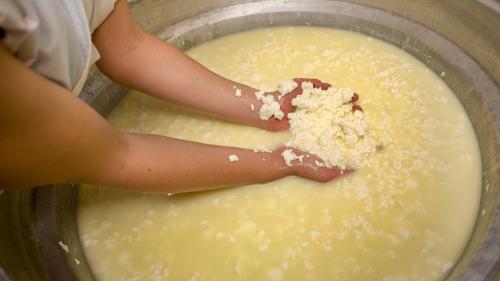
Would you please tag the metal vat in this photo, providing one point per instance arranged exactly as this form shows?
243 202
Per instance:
459 38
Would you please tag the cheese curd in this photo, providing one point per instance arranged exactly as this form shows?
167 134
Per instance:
270 107
237 93
233 158
289 156
286 87
324 124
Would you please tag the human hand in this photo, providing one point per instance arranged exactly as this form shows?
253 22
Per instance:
307 167
286 106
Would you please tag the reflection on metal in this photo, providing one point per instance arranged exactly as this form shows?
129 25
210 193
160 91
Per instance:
494 5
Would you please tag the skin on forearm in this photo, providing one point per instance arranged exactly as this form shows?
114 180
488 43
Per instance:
161 164
48 135
146 63
173 76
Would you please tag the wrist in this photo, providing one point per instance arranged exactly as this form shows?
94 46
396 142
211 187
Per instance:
271 166
279 164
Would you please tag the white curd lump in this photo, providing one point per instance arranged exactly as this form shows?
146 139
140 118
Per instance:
289 156
233 158
270 106
286 87
325 124
405 214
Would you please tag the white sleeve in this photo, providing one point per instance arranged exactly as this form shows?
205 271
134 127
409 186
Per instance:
53 36
97 11
50 36
100 11
19 21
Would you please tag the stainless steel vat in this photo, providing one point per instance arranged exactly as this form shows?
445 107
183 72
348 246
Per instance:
459 38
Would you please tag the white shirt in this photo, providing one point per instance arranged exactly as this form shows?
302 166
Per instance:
53 36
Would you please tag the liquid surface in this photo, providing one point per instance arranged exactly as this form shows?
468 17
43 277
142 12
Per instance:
405 215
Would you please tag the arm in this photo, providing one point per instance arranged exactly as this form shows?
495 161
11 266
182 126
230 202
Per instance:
158 163
48 135
134 58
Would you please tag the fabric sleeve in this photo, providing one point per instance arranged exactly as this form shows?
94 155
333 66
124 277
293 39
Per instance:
101 10
19 23
52 37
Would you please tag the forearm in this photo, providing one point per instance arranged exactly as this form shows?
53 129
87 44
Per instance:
161 70
162 164
134 58
48 135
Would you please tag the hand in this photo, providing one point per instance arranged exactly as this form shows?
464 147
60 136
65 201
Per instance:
274 124
308 168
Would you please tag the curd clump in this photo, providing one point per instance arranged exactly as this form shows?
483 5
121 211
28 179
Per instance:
325 124
270 106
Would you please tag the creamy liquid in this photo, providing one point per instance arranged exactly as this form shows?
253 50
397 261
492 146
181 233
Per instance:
405 215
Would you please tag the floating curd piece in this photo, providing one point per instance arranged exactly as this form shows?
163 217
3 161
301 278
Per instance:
233 158
325 124
286 87
63 246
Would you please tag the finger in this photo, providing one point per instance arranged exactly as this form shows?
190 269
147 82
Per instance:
347 171
300 80
316 83
328 174
320 84
325 86
341 172
356 108
355 97
275 125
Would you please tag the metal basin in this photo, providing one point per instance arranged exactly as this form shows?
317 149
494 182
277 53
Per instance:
459 38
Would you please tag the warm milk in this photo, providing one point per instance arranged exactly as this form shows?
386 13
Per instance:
406 215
